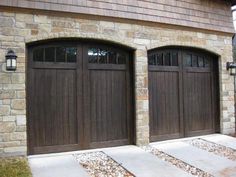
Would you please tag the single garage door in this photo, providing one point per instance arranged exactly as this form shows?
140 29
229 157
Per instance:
79 96
183 93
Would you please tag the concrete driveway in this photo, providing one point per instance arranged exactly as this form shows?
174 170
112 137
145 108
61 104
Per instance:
204 156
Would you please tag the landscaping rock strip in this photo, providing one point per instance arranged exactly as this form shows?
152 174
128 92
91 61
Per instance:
217 149
98 164
178 163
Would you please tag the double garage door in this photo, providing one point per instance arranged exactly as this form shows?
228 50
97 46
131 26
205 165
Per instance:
183 93
79 97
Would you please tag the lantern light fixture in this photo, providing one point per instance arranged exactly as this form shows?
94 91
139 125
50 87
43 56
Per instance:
10 60
232 67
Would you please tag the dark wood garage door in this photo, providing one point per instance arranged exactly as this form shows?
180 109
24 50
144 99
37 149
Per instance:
183 93
79 96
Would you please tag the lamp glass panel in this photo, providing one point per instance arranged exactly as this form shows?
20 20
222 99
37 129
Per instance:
232 71
8 62
13 63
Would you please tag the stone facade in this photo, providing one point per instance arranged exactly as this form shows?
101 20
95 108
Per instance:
18 28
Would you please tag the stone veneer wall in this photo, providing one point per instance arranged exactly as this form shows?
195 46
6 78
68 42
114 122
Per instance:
17 29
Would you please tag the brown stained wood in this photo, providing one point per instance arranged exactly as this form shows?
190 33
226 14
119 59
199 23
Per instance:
183 99
78 105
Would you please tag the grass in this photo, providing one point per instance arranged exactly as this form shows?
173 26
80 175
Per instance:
14 167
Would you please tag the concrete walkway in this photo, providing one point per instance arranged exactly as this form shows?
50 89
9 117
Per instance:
222 140
141 163
199 158
144 164
61 165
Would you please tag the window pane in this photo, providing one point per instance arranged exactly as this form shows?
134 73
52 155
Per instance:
207 64
200 62
112 57
50 54
159 59
102 56
194 61
151 60
188 60
167 59
38 54
174 59
92 55
121 58
71 54
60 54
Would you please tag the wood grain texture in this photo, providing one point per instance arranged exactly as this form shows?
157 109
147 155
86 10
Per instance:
208 14
184 98
74 106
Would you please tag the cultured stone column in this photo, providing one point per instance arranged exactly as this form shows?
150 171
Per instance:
141 97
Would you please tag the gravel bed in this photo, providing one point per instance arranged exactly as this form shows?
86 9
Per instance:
98 164
176 162
217 149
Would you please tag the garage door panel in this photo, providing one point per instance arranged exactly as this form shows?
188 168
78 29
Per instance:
66 107
43 92
108 105
198 101
164 94
52 120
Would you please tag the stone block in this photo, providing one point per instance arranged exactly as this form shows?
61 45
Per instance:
18 104
18 136
6 21
19 39
4 137
6 127
142 41
18 112
15 149
6 102
34 32
31 25
5 78
9 144
63 24
4 110
20 24
26 18
18 78
21 94
41 19
9 118
8 14
23 143
21 128
20 120
7 94
110 32
141 93
107 24
88 28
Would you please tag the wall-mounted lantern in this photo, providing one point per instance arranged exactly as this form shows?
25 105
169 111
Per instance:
10 60
232 67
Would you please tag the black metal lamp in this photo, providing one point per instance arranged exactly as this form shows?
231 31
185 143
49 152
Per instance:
232 67
10 60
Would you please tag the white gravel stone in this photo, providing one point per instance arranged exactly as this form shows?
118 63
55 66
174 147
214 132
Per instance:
217 149
98 164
